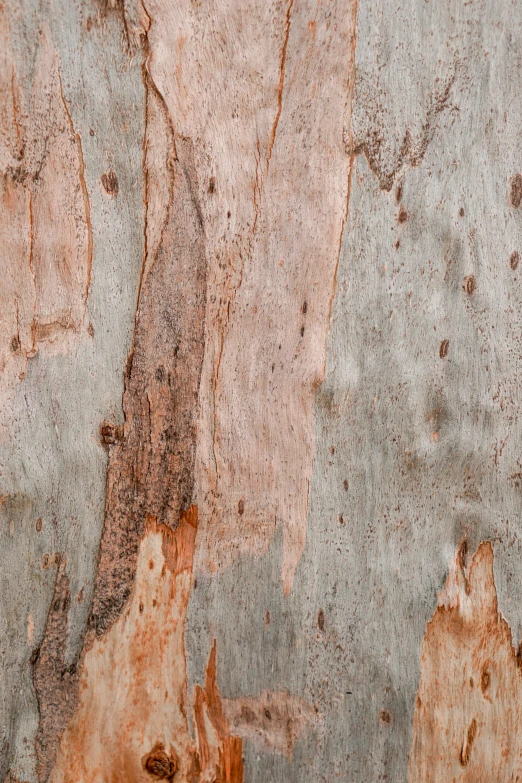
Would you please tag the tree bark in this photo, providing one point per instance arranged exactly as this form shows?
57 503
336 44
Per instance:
260 338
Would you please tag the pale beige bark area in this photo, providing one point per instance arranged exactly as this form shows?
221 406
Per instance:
263 93
468 714
45 227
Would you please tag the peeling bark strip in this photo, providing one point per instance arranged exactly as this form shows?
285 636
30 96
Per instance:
469 705
151 469
45 232
277 92
131 723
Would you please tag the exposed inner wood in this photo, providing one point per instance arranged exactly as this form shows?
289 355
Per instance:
131 723
469 705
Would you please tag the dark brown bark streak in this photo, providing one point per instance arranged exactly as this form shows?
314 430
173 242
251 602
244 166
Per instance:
151 469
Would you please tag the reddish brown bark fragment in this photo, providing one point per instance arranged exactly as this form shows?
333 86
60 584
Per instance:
55 683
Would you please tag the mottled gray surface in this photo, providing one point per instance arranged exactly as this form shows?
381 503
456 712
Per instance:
415 451
450 74
54 466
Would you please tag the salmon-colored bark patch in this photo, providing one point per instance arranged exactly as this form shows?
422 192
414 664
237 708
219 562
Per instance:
468 714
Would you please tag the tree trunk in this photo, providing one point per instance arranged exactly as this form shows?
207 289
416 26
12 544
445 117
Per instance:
260 336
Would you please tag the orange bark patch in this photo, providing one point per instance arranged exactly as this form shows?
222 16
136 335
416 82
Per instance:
468 714
220 753
131 723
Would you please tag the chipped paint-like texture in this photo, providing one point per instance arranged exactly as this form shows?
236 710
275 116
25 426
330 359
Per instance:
469 705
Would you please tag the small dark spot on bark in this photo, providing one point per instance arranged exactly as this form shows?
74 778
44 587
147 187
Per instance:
57 558
398 192
461 211
195 583
332 450
88 27
15 344
90 330
39 525
345 484
109 181
302 331
444 348
46 561
385 716
34 656
470 284
403 215
141 608
160 764
241 507
268 714
273 366
471 683
229 214
519 655
514 258
211 185
305 307
110 433
151 564
397 244
342 521
91 132
267 617
247 714
160 374
516 190
320 619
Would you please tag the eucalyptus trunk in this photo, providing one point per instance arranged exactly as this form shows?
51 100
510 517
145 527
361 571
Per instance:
260 356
